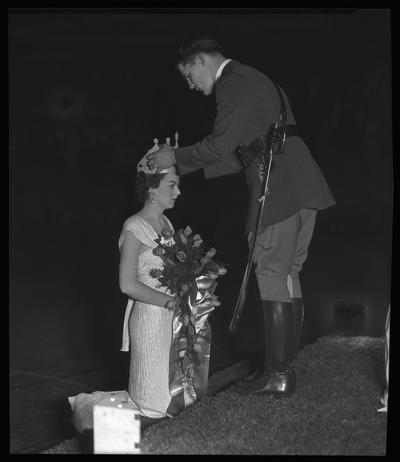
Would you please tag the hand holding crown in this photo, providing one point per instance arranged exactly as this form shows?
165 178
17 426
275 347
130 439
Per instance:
162 158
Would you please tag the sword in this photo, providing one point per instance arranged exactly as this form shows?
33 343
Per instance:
271 139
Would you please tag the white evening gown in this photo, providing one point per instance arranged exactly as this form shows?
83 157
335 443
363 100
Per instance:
147 331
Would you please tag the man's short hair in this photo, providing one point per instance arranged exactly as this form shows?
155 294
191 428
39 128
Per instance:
187 53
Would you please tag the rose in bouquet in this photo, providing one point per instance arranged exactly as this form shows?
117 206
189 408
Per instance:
190 273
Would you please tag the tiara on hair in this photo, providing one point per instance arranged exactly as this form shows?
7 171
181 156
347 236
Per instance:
142 164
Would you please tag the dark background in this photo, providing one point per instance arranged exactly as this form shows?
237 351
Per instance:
88 92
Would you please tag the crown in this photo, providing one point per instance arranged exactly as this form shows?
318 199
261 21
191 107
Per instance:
142 164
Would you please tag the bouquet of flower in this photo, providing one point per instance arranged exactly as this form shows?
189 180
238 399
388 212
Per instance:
190 273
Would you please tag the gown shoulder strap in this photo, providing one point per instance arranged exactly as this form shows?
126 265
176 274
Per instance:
141 228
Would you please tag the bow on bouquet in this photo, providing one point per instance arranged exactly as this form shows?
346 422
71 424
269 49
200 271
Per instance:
190 273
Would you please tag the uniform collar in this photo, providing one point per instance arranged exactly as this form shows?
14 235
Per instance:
221 67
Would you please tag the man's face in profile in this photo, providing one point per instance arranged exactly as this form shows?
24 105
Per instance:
198 75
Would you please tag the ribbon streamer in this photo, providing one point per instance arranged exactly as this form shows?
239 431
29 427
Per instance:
185 389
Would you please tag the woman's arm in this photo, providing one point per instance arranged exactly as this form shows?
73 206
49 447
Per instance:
128 282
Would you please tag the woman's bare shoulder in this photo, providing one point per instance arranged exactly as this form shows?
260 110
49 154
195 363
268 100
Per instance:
133 220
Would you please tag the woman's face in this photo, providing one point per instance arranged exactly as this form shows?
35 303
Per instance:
168 191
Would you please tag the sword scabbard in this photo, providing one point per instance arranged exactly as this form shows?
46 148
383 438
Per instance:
264 193
243 289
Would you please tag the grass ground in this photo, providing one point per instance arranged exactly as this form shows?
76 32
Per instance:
333 412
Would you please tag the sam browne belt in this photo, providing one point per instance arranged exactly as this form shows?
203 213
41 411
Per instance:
248 153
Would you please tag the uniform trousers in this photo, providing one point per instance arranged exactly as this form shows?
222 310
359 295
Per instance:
279 254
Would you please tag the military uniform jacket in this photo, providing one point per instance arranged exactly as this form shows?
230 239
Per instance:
247 104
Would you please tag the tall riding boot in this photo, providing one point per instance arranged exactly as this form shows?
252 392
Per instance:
279 351
298 317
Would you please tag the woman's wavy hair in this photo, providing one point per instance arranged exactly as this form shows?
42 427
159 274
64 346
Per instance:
144 182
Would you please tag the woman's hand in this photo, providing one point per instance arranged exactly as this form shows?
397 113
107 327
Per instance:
172 304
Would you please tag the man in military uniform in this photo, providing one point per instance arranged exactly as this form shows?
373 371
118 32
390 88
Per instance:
248 102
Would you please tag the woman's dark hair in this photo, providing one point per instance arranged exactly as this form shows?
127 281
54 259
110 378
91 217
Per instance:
187 53
146 181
